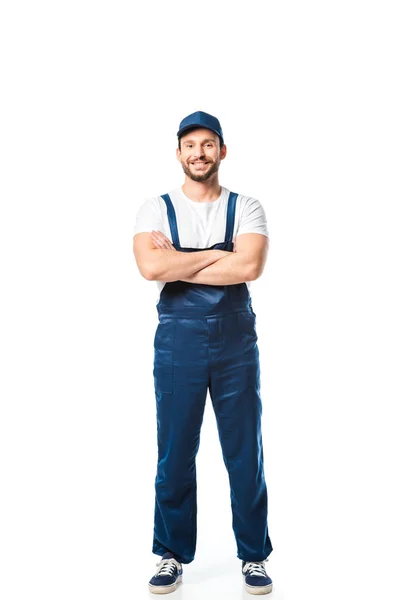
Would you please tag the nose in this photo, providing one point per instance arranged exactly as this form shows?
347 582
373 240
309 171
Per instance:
198 152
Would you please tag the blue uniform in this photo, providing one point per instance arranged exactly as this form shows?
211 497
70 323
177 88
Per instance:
206 340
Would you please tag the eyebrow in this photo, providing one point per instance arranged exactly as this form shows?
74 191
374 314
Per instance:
204 141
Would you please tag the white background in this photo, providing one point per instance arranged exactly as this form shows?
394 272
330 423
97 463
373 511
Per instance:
308 97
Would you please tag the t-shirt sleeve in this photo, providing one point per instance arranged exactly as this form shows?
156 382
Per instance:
148 217
253 218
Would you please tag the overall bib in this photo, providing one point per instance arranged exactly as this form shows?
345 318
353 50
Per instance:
206 340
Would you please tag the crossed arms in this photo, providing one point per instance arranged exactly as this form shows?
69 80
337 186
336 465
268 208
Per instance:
212 267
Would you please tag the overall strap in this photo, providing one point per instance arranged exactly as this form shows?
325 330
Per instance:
172 220
230 217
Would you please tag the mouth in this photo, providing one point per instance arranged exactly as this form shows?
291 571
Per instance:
199 163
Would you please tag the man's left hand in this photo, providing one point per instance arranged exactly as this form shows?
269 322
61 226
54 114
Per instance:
161 241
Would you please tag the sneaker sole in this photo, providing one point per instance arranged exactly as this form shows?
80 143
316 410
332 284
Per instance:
165 589
257 589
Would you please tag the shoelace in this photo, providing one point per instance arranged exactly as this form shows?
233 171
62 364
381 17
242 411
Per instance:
255 568
167 566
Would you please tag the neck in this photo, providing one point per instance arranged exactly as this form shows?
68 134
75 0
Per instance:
202 191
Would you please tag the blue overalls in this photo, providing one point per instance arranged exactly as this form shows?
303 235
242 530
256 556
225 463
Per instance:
206 339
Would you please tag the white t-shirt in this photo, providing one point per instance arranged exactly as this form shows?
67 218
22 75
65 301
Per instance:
200 224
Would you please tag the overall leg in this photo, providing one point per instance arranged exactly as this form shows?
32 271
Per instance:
235 395
180 377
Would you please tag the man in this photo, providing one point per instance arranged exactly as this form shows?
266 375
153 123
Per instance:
205 340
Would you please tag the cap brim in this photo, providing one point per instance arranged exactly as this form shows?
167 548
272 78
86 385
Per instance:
190 127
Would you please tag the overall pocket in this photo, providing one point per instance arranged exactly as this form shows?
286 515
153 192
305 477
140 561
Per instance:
247 323
163 378
164 343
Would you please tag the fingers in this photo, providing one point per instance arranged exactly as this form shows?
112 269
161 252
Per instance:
156 239
161 241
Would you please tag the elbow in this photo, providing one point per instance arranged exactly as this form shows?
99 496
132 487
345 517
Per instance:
146 261
147 272
147 275
254 272
152 272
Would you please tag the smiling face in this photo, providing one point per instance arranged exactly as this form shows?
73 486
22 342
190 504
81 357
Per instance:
200 154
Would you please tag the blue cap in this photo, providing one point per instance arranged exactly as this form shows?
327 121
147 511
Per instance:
200 119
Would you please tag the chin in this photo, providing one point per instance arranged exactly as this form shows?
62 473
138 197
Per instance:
200 178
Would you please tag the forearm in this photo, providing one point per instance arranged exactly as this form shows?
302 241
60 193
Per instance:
173 265
233 268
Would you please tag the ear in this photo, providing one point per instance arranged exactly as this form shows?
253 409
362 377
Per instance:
178 154
223 152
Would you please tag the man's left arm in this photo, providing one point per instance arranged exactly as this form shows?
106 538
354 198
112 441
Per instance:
246 263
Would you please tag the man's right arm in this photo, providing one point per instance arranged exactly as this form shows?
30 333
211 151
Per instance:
170 265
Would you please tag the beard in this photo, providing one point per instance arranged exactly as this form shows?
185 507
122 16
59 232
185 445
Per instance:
201 176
